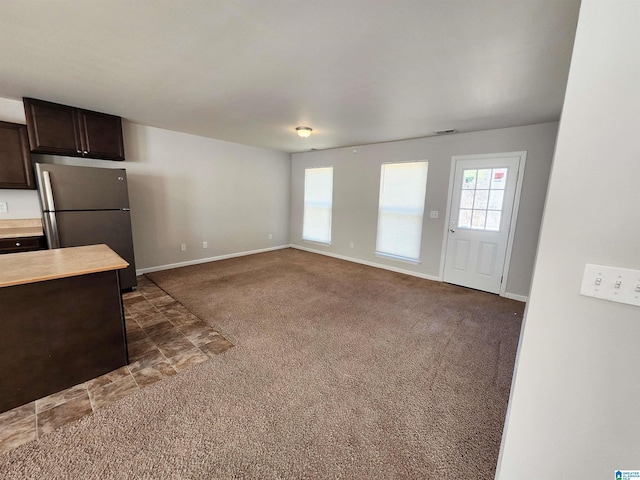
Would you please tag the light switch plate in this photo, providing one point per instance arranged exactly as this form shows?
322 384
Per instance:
3 207
620 285
434 214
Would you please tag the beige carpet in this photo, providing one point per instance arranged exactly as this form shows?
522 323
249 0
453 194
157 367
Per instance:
339 371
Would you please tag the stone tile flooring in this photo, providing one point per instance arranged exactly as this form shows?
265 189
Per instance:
164 338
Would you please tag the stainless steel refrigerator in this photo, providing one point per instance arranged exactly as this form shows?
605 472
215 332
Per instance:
86 206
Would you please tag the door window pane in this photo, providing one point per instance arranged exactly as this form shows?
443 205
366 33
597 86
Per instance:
499 178
482 198
495 200
464 220
478 219
469 179
466 200
493 221
318 204
403 188
484 178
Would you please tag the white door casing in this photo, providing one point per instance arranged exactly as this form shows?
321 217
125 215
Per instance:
483 202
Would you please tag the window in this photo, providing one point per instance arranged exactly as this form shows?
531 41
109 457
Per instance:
318 203
481 199
401 206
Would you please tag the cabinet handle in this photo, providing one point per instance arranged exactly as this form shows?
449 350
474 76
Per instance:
18 244
78 151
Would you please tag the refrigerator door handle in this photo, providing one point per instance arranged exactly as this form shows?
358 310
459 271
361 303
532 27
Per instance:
51 229
51 224
48 192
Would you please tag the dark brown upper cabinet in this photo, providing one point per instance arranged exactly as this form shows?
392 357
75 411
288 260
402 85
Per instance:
16 170
74 132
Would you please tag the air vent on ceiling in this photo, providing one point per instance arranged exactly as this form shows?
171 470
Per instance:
445 132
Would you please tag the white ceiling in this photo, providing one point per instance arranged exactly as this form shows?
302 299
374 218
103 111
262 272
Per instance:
250 71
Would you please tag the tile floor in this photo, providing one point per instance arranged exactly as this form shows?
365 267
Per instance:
164 338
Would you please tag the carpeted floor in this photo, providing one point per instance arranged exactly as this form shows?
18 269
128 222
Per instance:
339 371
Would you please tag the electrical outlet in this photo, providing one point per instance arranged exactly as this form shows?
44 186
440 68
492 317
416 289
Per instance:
434 214
620 285
4 208
271 236
351 245
183 247
205 245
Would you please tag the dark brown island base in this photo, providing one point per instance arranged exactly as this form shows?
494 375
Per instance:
61 320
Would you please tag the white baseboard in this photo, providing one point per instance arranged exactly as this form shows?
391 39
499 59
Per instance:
206 260
141 271
369 264
512 296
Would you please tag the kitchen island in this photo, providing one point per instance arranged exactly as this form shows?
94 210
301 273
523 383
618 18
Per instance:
61 320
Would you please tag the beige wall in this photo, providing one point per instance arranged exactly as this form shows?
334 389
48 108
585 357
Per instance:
190 189
356 189
186 189
574 407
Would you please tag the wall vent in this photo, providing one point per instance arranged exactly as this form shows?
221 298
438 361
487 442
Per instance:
445 132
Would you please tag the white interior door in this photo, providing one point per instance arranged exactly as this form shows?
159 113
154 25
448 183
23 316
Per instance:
481 211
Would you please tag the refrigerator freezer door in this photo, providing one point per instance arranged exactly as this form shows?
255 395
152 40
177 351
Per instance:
82 188
111 227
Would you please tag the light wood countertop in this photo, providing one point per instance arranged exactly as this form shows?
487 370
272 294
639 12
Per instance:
31 267
28 227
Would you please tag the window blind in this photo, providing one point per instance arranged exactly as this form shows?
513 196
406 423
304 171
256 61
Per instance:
318 204
400 209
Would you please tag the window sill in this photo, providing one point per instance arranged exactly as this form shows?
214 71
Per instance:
410 261
317 242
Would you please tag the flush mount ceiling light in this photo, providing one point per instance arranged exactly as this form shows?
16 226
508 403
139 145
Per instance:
304 132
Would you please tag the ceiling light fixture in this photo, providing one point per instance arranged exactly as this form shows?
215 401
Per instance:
304 132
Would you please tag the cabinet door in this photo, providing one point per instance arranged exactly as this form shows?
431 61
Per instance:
16 170
53 128
101 135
